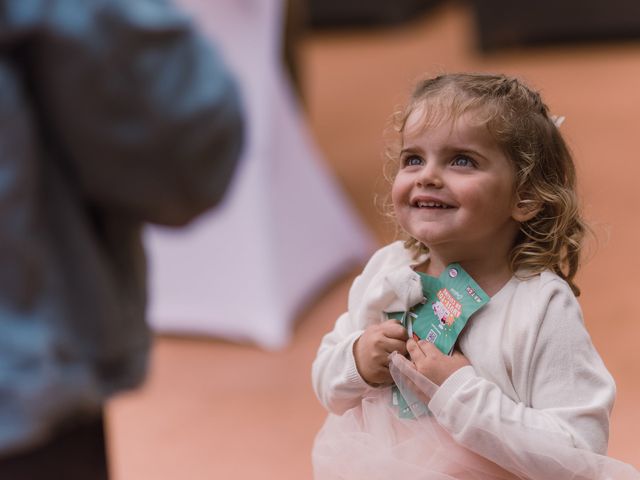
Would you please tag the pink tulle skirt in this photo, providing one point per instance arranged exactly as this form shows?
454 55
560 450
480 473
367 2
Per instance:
371 442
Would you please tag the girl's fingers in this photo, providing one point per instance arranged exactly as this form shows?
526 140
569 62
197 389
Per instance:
399 346
422 349
429 349
392 329
432 363
414 350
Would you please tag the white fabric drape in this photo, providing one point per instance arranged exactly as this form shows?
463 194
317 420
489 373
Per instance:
243 271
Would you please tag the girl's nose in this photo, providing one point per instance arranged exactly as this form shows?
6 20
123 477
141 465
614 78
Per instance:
429 176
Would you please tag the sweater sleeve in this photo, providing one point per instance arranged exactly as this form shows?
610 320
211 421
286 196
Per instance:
336 380
565 412
139 108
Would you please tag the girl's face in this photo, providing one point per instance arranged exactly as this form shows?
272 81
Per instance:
454 190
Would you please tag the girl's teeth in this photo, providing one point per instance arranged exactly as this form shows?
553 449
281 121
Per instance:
431 205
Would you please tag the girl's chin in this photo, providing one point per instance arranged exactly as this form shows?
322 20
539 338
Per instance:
431 239
442 246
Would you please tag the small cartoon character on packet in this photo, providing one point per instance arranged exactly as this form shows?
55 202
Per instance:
440 311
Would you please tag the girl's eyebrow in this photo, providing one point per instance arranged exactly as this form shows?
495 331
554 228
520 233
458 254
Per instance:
410 150
449 150
467 150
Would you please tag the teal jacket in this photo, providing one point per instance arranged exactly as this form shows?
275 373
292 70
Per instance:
113 113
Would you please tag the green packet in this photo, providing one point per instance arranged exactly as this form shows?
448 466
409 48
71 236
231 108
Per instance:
448 302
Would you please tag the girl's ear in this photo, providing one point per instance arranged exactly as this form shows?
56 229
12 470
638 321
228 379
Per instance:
525 210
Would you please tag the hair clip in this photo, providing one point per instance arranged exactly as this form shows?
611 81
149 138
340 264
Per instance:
557 120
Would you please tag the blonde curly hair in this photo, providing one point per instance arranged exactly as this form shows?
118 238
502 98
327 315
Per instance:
520 123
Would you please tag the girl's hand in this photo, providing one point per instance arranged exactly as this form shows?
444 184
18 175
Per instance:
371 350
432 363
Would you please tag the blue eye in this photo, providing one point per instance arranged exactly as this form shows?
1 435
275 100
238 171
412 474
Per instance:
412 161
462 161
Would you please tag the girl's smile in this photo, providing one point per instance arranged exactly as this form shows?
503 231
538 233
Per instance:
431 202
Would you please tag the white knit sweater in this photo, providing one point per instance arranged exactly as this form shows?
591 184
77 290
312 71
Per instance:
534 366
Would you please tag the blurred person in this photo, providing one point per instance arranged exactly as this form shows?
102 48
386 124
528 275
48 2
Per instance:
113 113
482 179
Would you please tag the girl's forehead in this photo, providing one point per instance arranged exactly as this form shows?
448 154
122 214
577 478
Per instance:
424 117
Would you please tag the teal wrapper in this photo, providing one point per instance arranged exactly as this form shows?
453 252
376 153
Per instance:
449 302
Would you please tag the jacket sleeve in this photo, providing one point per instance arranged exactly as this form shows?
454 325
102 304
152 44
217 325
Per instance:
566 417
141 109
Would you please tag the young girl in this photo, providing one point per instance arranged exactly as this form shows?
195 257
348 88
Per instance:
482 178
